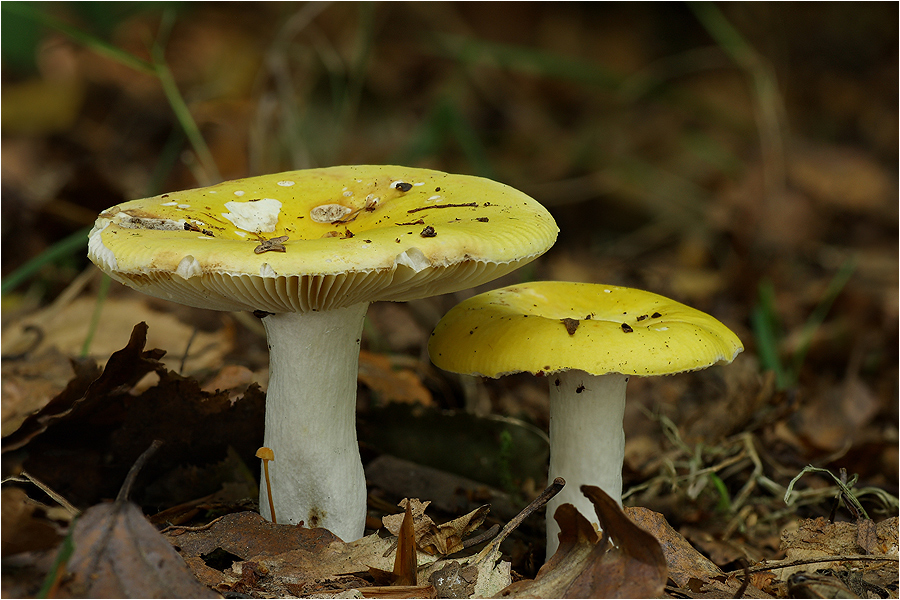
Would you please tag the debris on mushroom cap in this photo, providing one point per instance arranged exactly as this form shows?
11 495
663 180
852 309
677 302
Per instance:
221 246
529 328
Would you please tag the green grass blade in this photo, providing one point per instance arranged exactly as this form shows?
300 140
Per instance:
31 11
541 63
817 317
95 318
178 104
766 330
65 247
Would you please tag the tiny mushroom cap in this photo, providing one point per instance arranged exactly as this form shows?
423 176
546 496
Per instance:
307 251
587 339
265 454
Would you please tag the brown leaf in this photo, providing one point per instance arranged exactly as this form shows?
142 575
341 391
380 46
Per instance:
421 521
85 439
866 537
405 561
455 581
434 539
299 561
448 538
26 526
683 560
632 566
119 554
689 569
398 591
635 568
125 367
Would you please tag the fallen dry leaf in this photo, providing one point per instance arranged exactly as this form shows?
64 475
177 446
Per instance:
119 554
26 526
66 327
29 384
443 539
405 562
124 368
296 560
626 562
85 439
689 569
818 538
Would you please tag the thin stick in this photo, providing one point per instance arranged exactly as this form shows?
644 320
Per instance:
535 505
24 477
125 490
809 561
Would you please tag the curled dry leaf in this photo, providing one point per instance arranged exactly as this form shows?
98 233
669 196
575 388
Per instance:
626 562
405 562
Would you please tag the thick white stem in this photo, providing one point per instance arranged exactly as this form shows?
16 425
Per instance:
317 475
587 441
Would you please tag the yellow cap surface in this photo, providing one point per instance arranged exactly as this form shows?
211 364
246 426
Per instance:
554 326
321 238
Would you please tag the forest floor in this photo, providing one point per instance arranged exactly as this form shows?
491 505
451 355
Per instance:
743 162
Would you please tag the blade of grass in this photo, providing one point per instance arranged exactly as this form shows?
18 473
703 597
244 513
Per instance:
29 10
179 106
767 332
537 62
65 247
77 241
817 317
770 112
846 488
95 317
157 67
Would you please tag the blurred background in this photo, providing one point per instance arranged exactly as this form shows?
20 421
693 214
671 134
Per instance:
740 158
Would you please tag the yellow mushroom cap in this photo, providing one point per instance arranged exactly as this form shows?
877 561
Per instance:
321 238
551 326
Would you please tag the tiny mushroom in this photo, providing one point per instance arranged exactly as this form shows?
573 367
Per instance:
279 246
586 339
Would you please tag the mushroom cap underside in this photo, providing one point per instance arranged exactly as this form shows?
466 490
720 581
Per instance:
547 327
321 238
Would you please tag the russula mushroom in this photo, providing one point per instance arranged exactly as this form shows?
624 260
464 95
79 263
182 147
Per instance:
308 251
587 340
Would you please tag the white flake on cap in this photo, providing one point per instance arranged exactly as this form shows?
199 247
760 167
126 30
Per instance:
413 258
266 270
256 216
189 267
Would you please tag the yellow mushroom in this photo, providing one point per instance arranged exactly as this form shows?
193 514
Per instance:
308 251
587 339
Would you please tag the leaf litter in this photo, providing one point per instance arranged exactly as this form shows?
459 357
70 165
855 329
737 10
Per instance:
239 552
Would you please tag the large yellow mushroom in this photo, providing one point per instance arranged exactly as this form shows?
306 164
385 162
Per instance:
308 251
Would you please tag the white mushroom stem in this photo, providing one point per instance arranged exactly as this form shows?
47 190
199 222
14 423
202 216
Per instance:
317 475
587 441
